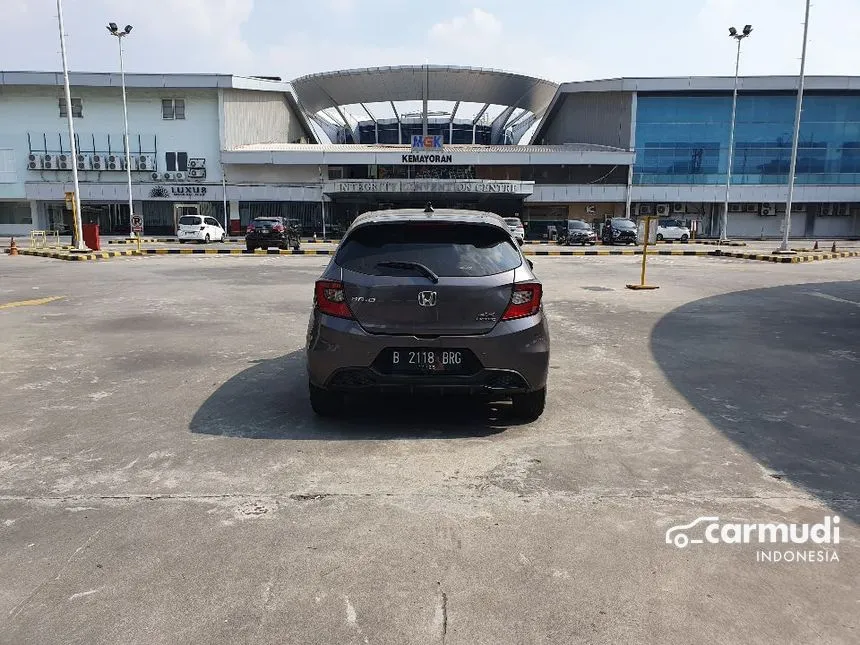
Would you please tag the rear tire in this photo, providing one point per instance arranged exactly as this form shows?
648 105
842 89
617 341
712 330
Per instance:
325 403
206 239
529 406
685 237
659 237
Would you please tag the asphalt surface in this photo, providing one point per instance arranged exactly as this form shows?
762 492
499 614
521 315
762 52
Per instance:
163 479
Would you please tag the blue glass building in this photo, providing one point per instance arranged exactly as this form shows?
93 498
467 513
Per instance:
683 139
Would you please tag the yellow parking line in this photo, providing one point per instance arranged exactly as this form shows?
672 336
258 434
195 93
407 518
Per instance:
25 303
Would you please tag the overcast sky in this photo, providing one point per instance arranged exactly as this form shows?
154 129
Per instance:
557 39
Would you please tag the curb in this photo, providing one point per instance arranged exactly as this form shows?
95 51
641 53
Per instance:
789 259
629 252
175 240
104 255
96 255
762 257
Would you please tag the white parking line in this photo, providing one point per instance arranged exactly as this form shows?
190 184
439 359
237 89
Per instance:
834 298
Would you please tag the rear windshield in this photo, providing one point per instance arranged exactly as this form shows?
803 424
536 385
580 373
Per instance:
577 224
263 222
189 220
449 250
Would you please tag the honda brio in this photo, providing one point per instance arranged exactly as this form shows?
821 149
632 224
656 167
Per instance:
428 301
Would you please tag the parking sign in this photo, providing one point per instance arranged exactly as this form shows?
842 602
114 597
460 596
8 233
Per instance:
136 224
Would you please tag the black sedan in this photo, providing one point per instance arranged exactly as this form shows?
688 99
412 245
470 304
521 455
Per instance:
265 232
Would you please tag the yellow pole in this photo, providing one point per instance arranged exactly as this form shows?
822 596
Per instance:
76 220
645 249
138 241
642 284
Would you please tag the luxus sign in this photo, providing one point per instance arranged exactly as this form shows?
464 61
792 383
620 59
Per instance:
162 192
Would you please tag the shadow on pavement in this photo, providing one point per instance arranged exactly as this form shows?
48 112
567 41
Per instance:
778 371
270 401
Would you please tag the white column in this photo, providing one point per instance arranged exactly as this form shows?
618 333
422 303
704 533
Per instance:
36 217
234 215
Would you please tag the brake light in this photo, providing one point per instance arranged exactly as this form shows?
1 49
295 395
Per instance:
250 228
278 228
329 298
525 301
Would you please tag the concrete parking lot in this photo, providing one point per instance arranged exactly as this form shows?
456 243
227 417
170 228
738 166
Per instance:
163 479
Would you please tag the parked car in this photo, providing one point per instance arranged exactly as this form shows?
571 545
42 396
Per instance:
517 229
200 228
672 230
619 230
577 232
266 232
448 305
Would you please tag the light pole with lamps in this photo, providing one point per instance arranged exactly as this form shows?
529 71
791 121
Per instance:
120 34
79 239
733 33
786 224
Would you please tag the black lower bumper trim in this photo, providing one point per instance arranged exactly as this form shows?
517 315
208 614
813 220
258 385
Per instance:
485 381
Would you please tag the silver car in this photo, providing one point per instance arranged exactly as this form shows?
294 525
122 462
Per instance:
436 301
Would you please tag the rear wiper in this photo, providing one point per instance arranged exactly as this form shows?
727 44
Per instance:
427 271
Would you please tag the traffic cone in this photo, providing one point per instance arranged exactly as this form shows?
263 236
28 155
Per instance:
833 248
815 248
13 248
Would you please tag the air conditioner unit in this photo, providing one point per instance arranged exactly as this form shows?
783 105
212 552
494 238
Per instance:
736 208
645 209
84 162
155 176
98 162
197 162
34 162
48 162
132 161
64 162
114 162
145 162
829 210
679 207
662 209
197 173
179 176
751 208
768 209
168 176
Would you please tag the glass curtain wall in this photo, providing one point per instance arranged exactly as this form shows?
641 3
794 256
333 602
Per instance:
683 139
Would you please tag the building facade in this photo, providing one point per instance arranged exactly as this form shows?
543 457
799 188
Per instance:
326 147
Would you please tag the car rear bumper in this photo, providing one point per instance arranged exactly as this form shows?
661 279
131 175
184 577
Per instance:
514 358
191 235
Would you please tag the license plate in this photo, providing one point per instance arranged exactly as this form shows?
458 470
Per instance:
427 361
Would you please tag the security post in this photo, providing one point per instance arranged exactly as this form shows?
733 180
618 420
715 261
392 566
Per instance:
648 235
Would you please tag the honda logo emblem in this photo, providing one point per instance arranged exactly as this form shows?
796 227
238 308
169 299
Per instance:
427 298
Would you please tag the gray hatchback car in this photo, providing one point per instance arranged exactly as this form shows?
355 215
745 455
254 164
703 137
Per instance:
435 301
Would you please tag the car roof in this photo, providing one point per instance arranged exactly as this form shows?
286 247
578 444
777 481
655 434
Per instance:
449 215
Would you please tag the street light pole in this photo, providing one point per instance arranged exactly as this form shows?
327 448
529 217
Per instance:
112 28
739 37
786 224
79 237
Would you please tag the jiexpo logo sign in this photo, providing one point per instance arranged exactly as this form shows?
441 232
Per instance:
709 530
